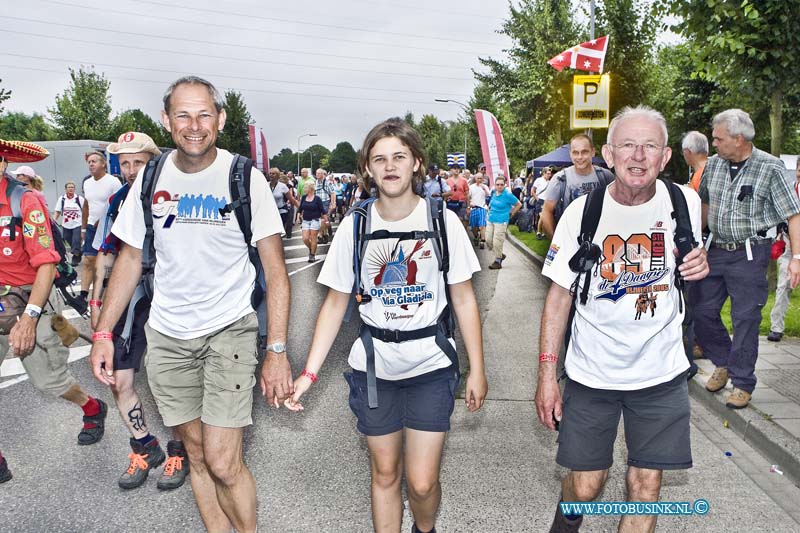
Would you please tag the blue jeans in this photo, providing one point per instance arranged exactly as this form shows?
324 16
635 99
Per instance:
731 274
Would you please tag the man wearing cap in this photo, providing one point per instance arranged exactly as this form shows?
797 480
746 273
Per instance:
98 187
202 332
134 150
434 186
28 262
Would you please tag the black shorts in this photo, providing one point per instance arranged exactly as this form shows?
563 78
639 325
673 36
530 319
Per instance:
424 402
131 357
656 426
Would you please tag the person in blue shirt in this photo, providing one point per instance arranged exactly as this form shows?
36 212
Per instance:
502 206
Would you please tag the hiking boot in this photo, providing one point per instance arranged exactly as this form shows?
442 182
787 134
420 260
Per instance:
176 468
415 530
774 336
91 435
312 258
5 473
738 399
539 236
718 379
495 266
482 245
143 459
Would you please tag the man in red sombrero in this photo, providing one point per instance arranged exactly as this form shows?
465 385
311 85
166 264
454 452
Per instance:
28 262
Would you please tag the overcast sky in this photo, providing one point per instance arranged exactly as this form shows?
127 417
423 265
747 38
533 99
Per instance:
334 68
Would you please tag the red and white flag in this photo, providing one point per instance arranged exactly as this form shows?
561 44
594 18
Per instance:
258 148
493 147
588 56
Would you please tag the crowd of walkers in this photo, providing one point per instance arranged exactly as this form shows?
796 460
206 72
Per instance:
183 283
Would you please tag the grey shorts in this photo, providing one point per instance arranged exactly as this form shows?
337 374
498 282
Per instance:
423 403
656 426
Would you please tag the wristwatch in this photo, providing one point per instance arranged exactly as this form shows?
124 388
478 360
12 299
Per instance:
276 347
33 311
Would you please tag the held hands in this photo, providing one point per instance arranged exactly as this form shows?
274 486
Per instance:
695 265
276 379
301 385
475 392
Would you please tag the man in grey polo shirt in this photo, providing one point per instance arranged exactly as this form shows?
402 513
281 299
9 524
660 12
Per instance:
744 193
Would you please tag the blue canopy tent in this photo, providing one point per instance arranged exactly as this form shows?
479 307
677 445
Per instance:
557 158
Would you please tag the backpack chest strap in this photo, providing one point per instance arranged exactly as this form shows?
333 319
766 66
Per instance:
403 236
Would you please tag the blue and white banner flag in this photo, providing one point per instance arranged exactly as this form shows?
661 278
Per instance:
457 159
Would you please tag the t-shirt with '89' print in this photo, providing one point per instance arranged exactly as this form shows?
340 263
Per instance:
628 336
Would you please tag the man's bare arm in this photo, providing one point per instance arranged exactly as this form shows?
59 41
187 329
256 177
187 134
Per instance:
548 217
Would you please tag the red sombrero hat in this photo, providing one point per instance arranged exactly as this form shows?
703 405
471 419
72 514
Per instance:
22 152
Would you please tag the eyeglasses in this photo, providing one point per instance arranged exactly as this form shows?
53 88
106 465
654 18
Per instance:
629 148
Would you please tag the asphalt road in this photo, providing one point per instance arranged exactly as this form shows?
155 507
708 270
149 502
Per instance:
311 468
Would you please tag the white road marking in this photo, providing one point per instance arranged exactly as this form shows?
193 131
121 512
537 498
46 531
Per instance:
13 366
302 247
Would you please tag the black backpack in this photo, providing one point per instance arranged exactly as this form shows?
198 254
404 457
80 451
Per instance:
445 324
588 254
239 185
66 272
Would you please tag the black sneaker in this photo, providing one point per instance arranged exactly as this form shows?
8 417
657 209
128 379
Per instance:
495 266
774 336
5 473
143 459
177 467
92 435
312 258
483 245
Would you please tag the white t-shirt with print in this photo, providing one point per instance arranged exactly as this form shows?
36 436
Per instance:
203 276
478 194
628 336
71 211
406 286
97 193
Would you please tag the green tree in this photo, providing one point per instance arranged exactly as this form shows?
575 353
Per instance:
5 94
235 136
343 158
22 127
432 131
285 160
138 120
748 48
314 156
83 110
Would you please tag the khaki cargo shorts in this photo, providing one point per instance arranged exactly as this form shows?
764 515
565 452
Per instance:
210 377
46 366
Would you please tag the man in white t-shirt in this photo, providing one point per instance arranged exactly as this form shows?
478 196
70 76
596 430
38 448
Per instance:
202 332
97 189
582 177
617 364
476 211
70 205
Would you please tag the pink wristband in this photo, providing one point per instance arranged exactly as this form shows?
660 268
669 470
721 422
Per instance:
102 336
546 357
310 375
96 303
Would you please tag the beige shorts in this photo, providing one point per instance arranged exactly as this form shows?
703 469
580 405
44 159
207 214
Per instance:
210 377
46 366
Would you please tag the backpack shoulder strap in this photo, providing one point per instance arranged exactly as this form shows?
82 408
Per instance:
604 176
64 199
361 215
684 236
150 176
592 210
14 191
240 205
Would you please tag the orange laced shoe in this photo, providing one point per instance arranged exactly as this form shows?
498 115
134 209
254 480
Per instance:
175 469
142 460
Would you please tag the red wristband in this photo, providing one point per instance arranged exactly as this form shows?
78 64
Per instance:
310 375
102 336
546 357
96 303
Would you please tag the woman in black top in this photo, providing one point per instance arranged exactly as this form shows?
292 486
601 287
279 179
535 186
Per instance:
311 208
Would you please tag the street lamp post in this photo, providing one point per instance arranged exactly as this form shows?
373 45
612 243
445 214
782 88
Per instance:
298 148
466 112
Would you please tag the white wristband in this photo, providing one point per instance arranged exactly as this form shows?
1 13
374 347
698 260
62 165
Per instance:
33 311
796 256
